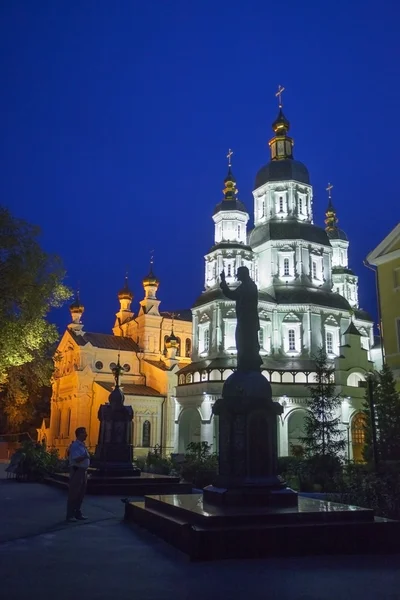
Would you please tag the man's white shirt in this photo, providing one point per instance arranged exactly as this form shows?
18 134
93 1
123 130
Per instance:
76 450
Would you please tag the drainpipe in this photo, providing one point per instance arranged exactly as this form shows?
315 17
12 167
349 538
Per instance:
161 340
162 424
378 296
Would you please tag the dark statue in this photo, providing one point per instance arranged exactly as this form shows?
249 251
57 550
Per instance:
248 323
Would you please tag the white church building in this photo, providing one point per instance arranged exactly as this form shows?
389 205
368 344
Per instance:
308 299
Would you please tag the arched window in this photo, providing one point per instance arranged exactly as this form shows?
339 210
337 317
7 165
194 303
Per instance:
329 342
229 270
178 346
300 206
239 231
165 341
292 340
206 340
280 204
286 270
314 269
261 337
358 436
146 430
188 347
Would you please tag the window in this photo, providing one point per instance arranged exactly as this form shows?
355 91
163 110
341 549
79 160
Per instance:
301 206
314 269
358 429
286 267
262 208
188 347
329 342
206 340
261 338
178 346
229 270
238 231
146 429
280 204
292 340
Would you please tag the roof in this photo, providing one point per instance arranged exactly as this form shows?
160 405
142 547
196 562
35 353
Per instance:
230 245
185 314
352 330
288 229
304 295
362 315
230 362
282 170
229 205
338 270
337 234
159 364
105 340
383 252
131 389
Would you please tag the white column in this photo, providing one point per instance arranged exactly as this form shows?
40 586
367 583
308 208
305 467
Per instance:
207 432
283 448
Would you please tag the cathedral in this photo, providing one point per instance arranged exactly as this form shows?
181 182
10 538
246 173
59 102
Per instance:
308 299
175 365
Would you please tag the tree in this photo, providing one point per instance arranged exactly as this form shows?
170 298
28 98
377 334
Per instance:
323 434
386 401
31 284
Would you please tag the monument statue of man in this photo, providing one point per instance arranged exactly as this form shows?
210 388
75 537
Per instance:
248 323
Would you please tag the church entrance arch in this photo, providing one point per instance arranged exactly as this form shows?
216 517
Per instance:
189 428
358 424
295 425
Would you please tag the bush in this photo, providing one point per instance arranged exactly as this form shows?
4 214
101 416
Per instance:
32 462
316 474
155 463
200 465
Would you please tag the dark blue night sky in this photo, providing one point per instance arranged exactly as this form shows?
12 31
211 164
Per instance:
116 117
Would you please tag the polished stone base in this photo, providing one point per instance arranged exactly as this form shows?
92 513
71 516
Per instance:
251 495
208 532
146 483
115 469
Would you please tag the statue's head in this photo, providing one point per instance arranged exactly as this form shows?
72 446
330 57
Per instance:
242 274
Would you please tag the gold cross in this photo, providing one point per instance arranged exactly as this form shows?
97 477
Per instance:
279 95
328 189
228 156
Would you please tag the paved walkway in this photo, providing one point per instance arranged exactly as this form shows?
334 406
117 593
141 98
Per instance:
41 556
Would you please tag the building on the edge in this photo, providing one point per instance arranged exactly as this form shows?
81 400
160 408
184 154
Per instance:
153 345
386 258
308 298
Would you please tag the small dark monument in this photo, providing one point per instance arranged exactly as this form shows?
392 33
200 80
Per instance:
247 417
114 451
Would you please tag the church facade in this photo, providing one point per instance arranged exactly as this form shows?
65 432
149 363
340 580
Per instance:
308 299
151 346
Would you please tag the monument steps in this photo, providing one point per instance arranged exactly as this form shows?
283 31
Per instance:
264 532
147 483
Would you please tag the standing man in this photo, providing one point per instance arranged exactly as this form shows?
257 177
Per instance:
79 461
